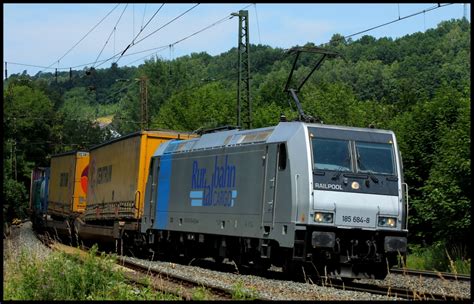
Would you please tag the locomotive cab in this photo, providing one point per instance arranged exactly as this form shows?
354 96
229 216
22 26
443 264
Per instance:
357 221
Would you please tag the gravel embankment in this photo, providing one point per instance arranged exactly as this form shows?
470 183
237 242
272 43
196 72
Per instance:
425 285
264 288
23 238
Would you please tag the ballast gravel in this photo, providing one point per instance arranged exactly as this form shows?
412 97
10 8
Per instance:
22 238
260 287
425 285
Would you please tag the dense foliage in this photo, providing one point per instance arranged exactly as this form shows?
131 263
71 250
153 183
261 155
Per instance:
417 85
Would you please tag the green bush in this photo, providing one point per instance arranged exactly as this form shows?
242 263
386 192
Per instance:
201 294
61 277
440 257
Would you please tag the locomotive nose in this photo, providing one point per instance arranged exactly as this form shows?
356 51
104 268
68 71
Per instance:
364 211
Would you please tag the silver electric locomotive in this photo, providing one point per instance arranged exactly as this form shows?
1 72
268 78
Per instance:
327 198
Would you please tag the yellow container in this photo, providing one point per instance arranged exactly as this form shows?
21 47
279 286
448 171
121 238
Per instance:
118 174
68 183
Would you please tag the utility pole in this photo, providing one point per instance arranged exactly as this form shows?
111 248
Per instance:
6 71
144 102
243 82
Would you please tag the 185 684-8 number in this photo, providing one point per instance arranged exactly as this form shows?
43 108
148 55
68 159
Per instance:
355 219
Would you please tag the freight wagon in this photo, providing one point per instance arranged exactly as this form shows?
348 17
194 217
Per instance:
67 189
39 195
117 178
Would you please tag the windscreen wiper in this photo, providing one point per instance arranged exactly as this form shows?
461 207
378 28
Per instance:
372 177
369 172
338 173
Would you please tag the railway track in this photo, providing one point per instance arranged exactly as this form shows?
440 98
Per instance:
217 293
431 274
404 293
184 287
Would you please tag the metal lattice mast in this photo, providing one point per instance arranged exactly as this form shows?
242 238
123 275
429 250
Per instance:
244 105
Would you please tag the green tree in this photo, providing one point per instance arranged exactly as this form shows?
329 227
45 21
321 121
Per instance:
445 201
27 124
204 107
423 135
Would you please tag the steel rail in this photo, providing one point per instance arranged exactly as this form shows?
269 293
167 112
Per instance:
431 274
222 293
404 293
218 293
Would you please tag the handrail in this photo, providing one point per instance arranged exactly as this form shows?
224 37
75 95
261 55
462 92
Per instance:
264 186
406 202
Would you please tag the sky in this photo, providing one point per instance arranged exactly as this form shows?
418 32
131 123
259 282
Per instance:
49 35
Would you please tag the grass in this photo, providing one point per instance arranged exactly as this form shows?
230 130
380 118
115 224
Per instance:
239 292
439 257
61 277
201 294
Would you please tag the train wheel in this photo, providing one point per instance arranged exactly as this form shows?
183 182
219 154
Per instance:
294 270
218 259
262 264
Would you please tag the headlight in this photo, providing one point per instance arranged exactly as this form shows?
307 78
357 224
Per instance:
322 217
387 222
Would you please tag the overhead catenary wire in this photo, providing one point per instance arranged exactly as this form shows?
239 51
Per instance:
159 49
143 19
258 26
390 22
156 49
32 65
133 40
228 17
85 64
345 37
93 28
166 24
112 32
141 30
155 31
165 46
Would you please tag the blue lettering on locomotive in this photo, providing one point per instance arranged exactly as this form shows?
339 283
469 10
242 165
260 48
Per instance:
221 189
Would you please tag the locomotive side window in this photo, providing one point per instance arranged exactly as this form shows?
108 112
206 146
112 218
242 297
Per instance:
374 158
282 157
331 154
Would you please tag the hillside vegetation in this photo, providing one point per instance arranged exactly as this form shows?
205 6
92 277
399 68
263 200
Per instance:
417 85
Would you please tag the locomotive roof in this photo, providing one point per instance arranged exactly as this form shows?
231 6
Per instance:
279 133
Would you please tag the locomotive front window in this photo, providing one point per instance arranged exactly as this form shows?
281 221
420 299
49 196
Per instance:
331 154
374 158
